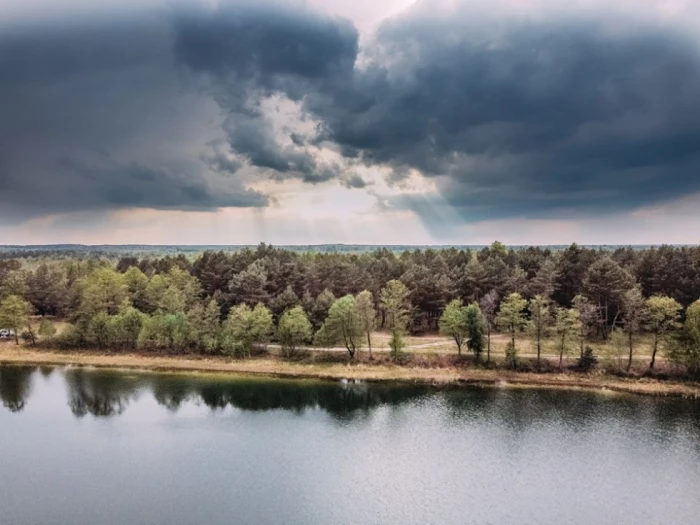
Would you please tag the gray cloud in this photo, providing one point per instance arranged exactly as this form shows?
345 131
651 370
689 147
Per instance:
248 51
525 118
158 109
167 109
96 116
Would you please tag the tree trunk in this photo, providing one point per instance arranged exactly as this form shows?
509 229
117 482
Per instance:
459 347
488 343
629 362
561 352
653 353
369 345
539 346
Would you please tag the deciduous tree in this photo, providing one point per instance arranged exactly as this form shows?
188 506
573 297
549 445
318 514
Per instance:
367 315
475 329
453 323
633 307
567 326
14 315
540 320
397 310
685 346
661 316
343 325
511 315
294 329
489 307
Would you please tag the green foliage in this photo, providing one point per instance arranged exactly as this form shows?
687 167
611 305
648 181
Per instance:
175 302
172 292
511 315
453 323
661 315
46 289
284 301
540 320
165 331
489 306
137 285
588 360
343 325
475 324
205 326
100 329
633 309
103 291
511 359
14 314
587 315
238 332
246 327
294 330
367 315
567 325
396 343
605 282
544 283
127 326
261 324
685 347
397 309
249 285
46 329
14 283
318 308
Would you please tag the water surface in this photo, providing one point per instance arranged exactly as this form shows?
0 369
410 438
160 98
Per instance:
82 447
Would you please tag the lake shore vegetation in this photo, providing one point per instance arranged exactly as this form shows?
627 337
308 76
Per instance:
577 312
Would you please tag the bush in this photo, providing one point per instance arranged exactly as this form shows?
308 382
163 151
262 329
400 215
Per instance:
47 329
588 360
511 355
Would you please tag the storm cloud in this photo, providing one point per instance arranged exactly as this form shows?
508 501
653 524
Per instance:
192 107
525 118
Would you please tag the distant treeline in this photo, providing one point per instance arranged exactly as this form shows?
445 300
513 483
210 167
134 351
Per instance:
210 302
115 251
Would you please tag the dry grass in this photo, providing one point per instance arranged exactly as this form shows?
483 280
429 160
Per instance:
429 370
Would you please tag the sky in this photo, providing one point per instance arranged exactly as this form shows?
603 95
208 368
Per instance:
349 121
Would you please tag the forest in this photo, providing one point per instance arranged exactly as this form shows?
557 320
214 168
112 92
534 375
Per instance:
235 303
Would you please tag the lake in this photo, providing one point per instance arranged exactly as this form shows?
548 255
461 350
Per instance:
86 446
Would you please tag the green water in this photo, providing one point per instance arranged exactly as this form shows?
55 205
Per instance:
80 446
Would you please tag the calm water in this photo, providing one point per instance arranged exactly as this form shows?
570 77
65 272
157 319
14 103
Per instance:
81 447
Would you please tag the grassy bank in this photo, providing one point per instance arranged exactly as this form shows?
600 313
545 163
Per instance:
314 366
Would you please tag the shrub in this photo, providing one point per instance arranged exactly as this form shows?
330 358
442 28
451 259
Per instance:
511 355
588 360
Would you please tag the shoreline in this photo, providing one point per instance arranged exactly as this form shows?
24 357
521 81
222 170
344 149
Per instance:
277 368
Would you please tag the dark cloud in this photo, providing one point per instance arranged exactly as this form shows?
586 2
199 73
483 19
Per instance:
171 110
248 51
525 118
353 180
157 110
265 44
96 116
